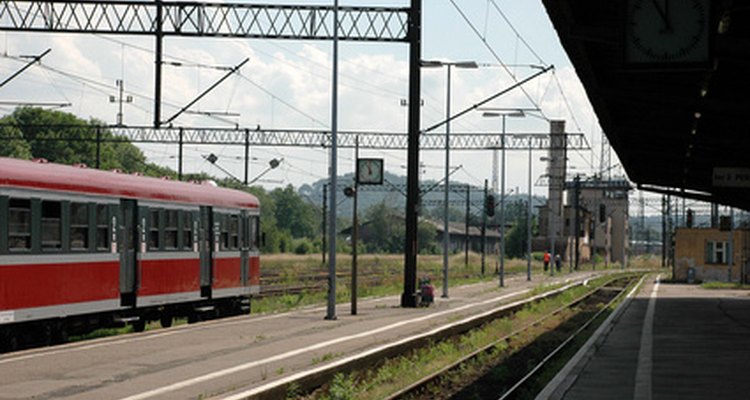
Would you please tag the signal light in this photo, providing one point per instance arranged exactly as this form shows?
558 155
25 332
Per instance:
489 205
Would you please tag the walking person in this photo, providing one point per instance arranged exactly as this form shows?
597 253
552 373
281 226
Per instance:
547 259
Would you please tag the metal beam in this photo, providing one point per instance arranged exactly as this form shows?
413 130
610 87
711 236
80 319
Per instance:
34 60
382 24
306 138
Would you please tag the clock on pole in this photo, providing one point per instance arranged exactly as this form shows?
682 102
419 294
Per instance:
370 171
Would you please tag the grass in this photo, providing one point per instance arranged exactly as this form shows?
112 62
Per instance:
724 285
397 373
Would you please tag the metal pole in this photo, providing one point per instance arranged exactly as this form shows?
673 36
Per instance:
408 298
331 309
355 231
502 208
158 64
179 155
528 227
483 243
98 146
577 224
446 235
664 231
325 214
247 155
466 235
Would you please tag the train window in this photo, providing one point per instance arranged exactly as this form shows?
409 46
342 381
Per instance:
102 228
51 225
79 226
187 230
153 237
234 232
255 232
170 229
224 229
19 224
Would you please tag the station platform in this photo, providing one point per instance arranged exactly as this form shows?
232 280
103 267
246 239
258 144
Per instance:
237 357
670 341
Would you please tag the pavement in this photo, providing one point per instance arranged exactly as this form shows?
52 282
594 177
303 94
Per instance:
670 341
234 355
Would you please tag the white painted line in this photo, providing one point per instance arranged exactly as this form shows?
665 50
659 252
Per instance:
645 354
292 353
566 377
218 374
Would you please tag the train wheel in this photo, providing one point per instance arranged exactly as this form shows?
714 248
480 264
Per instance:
165 320
140 325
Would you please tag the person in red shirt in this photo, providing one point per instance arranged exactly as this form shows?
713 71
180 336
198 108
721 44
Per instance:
547 259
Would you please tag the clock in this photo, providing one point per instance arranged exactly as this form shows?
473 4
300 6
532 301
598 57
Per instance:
370 171
667 31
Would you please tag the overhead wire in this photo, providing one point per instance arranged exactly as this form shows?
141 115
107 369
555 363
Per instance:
494 53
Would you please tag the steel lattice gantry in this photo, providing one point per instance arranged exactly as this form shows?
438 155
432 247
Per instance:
239 20
243 20
302 138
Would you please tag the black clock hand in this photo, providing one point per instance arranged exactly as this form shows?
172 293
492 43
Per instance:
664 14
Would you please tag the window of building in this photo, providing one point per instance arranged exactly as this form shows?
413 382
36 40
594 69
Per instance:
19 225
153 236
102 228
170 229
79 226
51 225
187 230
717 252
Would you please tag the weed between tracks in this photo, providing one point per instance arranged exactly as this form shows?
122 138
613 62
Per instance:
514 356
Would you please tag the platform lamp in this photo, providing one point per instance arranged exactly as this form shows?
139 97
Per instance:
446 235
503 113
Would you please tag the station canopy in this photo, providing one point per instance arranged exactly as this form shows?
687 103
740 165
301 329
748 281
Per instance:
670 84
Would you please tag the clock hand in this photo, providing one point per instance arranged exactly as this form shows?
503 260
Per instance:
664 14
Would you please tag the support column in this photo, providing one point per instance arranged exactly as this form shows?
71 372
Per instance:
408 298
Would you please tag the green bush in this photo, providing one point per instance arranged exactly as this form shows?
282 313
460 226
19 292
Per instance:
304 246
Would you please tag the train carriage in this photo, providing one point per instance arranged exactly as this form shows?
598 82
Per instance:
83 248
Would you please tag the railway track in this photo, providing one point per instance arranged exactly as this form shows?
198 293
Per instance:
443 383
521 376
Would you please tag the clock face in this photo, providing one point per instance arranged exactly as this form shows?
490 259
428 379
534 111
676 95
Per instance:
667 31
370 171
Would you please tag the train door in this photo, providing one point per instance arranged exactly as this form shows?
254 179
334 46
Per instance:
206 247
128 252
245 242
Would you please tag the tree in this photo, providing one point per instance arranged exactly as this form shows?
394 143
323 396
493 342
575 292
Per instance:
42 130
293 214
515 240
16 146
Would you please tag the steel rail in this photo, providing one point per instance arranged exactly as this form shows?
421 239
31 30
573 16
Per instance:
434 377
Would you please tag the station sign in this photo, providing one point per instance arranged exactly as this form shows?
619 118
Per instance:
731 177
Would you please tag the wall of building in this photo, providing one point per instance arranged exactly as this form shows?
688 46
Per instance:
691 253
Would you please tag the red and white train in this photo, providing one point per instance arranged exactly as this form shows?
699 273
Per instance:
82 249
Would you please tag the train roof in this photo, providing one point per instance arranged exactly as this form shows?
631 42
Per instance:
82 180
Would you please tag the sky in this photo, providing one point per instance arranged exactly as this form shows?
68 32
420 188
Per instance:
287 84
